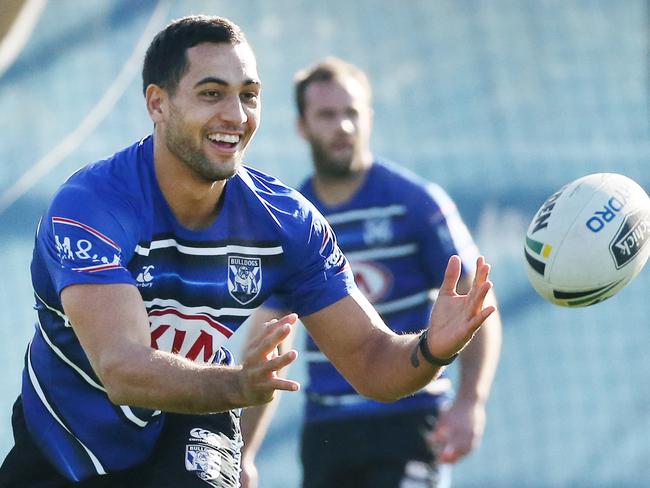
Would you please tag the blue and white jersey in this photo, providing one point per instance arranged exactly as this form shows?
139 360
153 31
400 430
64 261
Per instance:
398 232
109 223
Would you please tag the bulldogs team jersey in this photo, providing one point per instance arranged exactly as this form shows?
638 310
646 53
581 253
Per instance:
109 223
398 232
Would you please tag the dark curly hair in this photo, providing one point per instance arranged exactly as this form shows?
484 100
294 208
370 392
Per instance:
166 60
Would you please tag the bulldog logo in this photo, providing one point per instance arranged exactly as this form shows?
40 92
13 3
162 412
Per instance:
244 278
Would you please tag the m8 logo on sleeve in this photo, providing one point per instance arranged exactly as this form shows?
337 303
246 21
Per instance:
84 249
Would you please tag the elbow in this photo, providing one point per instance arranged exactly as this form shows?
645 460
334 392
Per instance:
114 378
118 395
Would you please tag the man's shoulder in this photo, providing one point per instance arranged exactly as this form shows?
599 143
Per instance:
113 185
398 174
405 185
272 190
117 174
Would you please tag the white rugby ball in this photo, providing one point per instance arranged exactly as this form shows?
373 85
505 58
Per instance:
588 240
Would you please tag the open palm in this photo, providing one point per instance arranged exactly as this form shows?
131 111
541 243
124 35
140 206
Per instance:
456 318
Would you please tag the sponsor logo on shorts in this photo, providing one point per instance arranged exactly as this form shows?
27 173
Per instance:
205 461
203 455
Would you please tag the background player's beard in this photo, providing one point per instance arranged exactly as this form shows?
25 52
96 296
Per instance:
181 143
330 167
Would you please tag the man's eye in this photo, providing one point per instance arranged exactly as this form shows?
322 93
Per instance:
249 96
211 93
326 115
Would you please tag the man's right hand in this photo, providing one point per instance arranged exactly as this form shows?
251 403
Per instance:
261 362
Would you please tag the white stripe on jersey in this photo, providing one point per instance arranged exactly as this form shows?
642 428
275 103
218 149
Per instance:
387 307
208 251
365 213
213 312
128 413
406 302
63 357
381 253
66 321
39 391
436 387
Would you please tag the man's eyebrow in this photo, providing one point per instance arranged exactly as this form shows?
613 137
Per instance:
219 81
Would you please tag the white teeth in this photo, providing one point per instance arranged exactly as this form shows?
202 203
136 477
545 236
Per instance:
231 138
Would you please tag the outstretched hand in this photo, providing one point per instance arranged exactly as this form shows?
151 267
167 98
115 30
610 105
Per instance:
261 362
456 318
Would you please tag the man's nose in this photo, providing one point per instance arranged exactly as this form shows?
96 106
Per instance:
346 125
232 110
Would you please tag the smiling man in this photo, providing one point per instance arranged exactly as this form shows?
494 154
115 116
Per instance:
147 262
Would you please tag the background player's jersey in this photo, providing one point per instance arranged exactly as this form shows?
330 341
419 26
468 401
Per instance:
109 223
398 232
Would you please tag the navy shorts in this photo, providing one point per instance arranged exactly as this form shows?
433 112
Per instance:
380 451
194 451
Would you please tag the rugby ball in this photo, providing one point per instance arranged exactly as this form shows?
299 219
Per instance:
588 240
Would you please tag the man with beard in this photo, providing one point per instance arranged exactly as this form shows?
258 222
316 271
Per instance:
135 269
398 231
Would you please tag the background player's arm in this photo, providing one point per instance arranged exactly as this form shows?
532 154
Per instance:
378 363
112 325
256 419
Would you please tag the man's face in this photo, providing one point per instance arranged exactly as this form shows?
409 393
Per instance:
337 124
214 112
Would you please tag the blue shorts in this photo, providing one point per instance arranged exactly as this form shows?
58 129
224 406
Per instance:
193 451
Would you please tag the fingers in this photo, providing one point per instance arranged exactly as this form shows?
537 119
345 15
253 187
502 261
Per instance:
449 455
281 361
482 271
440 442
274 332
476 297
448 447
285 384
480 286
267 372
452 275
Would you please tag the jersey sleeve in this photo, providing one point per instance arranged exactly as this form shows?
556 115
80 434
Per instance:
320 274
84 238
444 234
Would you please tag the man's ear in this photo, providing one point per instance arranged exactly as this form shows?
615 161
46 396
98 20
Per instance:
155 96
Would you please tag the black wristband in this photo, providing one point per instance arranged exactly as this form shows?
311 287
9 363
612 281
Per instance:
426 354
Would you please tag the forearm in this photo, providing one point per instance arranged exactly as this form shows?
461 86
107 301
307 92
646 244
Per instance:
112 326
395 368
380 364
168 382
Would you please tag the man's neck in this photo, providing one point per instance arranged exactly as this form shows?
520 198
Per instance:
336 190
193 200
